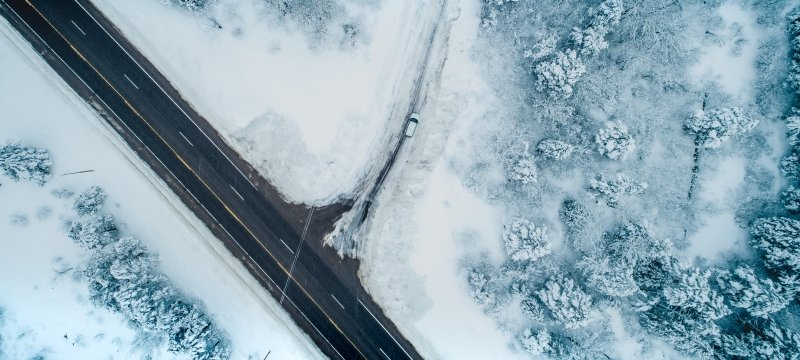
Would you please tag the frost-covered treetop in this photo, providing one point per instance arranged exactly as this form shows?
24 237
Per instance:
555 149
522 167
557 76
90 201
25 162
614 142
567 302
714 127
525 241
611 191
591 39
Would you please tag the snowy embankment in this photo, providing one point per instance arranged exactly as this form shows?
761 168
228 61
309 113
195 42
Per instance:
312 112
411 262
44 309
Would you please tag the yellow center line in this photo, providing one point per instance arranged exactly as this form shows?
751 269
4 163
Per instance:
128 104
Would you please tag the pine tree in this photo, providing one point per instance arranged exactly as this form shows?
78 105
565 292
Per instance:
612 277
93 231
567 302
760 297
26 163
713 128
554 149
611 191
481 285
523 169
692 290
90 201
536 341
687 332
525 241
574 218
791 199
614 142
778 238
763 341
558 76
531 309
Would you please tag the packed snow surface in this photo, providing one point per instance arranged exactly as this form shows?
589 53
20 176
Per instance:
44 309
310 114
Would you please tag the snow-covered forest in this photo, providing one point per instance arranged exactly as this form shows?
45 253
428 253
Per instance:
645 154
120 273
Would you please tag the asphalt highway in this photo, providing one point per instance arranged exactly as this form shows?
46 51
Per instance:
279 242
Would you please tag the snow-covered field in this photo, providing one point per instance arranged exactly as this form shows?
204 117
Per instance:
44 308
312 112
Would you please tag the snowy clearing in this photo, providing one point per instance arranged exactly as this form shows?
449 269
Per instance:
313 115
50 312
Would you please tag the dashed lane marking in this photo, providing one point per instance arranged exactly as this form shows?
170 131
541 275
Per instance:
78 27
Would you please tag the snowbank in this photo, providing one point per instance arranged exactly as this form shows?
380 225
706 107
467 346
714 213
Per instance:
51 311
311 119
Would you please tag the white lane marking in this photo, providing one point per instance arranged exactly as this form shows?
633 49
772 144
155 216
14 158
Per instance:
337 301
237 193
165 93
384 354
384 329
297 253
185 138
78 27
287 246
130 81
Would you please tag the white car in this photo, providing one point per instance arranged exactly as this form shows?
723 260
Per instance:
413 121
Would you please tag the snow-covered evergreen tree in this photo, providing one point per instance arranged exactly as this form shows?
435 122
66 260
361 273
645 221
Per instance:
686 331
536 342
566 302
592 38
793 127
531 309
481 286
523 169
525 241
760 297
612 277
611 191
90 201
789 166
26 163
558 76
93 231
691 290
554 149
778 238
764 340
614 142
714 127
791 199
